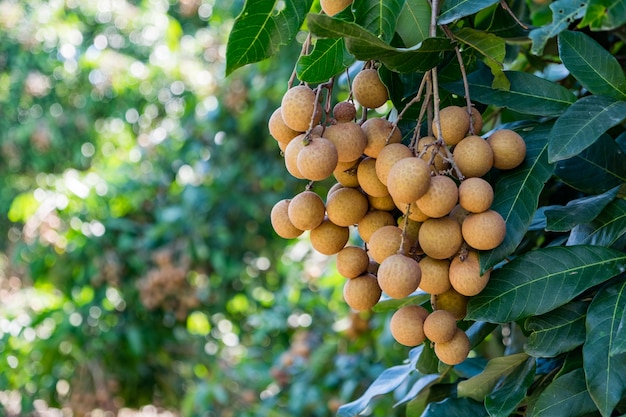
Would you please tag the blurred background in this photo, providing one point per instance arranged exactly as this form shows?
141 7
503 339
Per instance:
139 274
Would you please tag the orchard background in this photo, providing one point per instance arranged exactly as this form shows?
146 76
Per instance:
139 266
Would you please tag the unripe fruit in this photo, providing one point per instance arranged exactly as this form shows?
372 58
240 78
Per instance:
465 275
345 173
484 231
306 210
384 203
317 160
440 326
368 180
475 195
328 238
451 301
349 140
297 107
373 221
434 275
385 242
352 261
346 206
362 293
455 351
509 148
291 155
279 130
388 156
440 238
379 132
438 161
477 121
368 90
440 198
280 221
344 112
408 180
454 122
473 156
399 276
407 325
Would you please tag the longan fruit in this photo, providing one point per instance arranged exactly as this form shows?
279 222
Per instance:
345 173
477 121
509 148
384 203
291 152
306 210
475 194
379 132
408 180
465 275
484 231
346 206
454 122
279 219
385 242
349 140
368 90
368 180
297 108
373 221
279 130
439 163
451 301
362 292
415 213
440 238
473 156
388 156
407 325
458 213
344 112
399 276
454 351
317 160
440 326
352 261
328 238
411 231
440 198
435 278
336 186
332 7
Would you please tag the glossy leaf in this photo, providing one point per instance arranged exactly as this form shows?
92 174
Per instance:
455 407
620 337
580 210
605 373
557 331
542 280
260 31
378 17
414 22
564 12
479 386
491 47
593 66
328 58
419 385
604 14
512 390
607 229
456 9
565 396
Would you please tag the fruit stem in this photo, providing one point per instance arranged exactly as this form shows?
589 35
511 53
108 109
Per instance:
506 7
305 51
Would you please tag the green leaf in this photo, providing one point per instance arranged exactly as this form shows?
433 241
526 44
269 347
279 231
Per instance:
542 280
605 230
419 385
582 124
498 21
517 194
604 14
565 396
328 58
603 163
261 30
605 373
427 363
378 16
512 390
479 386
620 338
557 331
593 66
491 47
414 22
456 9
580 210
455 407
564 12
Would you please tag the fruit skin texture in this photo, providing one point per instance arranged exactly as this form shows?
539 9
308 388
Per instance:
454 351
368 180
484 231
332 7
291 152
379 132
368 90
279 130
385 242
388 156
344 111
407 325
317 160
473 156
477 120
509 148
362 293
440 238
440 198
399 276
306 210
328 238
435 278
349 140
451 301
438 162
373 221
297 107
440 326
455 122
352 261
408 180
475 195
465 275
346 206
280 221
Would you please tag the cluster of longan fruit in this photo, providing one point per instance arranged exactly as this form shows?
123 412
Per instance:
422 211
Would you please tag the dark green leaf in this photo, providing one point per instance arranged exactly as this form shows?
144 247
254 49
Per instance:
428 362
604 14
431 394
479 386
260 31
455 407
419 385
328 58
605 373
564 12
605 230
414 22
498 21
620 338
456 9
557 331
493 50
478 331
565 396
592 65
542 280
511 391
378 16
392 304
581 210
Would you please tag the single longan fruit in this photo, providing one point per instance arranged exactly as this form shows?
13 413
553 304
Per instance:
306 210
475 195
408 180
440 238
332 7
328 238
368 90
455 351
459 214
279 130
435 278
440 326
484 231
407 325
297 107
454 122
291 152
451 301
373 221
384 203
352 261
440 198
438 161
279 218
331 190
473 156
346 206
465 275
509 148
368 180
345 173
477 121
379 133
388 156
344 112
317 160
385 242
399 276
349 140
362 293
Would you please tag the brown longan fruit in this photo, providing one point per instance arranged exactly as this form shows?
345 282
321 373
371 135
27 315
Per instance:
440 326
435 279
297 107
459 214
475 194
473 156
509 148
379 132
438 161
279 130
440 198
454 351
399 276
352 261
415 213
344 112
306 210
332 7
385 242
384 203
291 152
349 140
317 160
484 231
345 173
388 156
408 180
362 293
411 230
279 218
346 206
328 238
465 276
440 238
373 221
477 121
368 180
450 300
454 122
368 90
407 325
